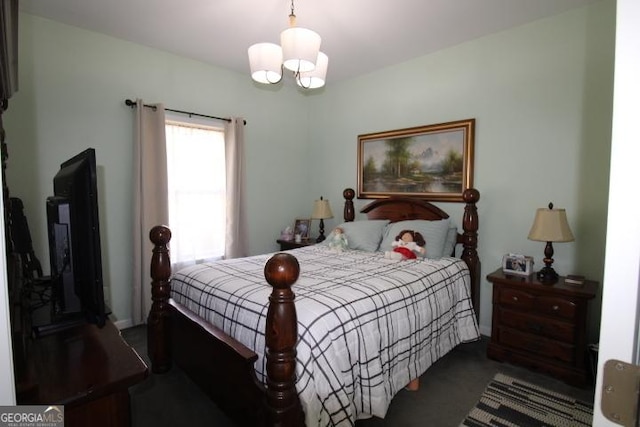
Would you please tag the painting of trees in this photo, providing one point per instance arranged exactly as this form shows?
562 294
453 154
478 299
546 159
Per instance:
398 156
434 160
452 162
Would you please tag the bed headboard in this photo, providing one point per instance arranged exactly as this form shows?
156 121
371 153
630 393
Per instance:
409 208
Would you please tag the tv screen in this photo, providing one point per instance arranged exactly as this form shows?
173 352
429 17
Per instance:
74 241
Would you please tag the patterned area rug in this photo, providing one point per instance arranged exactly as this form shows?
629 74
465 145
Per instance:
508 401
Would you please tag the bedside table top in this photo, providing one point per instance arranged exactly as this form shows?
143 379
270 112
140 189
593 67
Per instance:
292 244
588 289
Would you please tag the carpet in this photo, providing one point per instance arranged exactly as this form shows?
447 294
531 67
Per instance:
508 401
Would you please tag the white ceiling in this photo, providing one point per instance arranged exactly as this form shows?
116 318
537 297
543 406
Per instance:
359 36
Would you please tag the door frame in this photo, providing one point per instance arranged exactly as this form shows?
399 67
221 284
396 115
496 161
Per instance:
620 294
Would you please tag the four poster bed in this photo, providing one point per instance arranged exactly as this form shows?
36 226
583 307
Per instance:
362 326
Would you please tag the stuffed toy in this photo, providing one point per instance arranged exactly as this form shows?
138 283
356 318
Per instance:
337 240
407 245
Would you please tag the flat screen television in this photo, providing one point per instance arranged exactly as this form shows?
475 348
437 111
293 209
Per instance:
74 242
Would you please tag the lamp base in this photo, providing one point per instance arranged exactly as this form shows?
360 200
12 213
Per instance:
547 275
321 235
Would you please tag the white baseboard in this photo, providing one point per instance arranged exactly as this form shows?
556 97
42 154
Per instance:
485 330
123 324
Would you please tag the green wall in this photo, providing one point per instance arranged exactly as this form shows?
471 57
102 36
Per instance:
540 93
73 84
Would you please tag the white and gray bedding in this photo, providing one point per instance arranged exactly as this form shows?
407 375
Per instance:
366 325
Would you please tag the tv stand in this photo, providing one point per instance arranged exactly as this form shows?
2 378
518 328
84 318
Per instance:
85 368
57 323
56 327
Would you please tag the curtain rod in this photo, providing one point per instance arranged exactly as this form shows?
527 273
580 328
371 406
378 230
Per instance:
133 104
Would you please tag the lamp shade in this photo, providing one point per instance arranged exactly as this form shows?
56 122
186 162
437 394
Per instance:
265 60
551 225
315 79
321 210
300 47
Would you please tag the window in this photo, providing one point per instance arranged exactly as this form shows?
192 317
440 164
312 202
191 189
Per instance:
197 190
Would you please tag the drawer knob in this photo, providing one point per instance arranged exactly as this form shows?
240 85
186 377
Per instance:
515 298
555 308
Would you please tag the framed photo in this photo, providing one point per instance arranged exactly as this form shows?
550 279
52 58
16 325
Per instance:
433 162
302 227
517 264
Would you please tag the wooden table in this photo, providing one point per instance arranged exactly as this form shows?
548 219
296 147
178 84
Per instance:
88 370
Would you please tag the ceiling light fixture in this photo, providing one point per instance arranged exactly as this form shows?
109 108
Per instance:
299 51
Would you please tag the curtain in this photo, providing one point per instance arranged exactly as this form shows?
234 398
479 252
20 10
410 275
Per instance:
236 233
150 199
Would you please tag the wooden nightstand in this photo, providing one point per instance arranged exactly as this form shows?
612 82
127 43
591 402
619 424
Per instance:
542 327
285 245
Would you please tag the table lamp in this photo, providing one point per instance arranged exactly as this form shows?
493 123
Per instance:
321 211
550 225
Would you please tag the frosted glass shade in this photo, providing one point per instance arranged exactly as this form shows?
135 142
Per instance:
315 78
300 47
265 60
551 225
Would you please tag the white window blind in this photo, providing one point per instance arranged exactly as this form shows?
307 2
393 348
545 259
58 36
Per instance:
197 191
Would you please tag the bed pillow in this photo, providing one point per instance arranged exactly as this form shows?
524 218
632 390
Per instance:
450 241
364 235
434 233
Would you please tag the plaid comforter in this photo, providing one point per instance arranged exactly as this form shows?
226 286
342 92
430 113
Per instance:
366 325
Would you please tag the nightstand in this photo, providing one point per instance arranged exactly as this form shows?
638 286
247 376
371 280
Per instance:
542 327
285 245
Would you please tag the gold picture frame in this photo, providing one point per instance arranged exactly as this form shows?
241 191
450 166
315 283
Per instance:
433 162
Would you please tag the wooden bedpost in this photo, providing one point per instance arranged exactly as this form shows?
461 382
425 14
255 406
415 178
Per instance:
282 271
349 211
470 243
158 322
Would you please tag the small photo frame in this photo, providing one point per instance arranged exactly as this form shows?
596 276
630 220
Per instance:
302 227
517 264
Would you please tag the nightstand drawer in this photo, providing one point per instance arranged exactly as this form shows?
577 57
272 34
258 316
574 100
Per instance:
517 299
537 345
550 328
552 306
556 307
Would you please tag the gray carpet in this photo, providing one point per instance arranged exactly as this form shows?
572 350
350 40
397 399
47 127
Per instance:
448 391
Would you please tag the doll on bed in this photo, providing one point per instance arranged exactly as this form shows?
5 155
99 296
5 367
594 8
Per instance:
337 240
407 245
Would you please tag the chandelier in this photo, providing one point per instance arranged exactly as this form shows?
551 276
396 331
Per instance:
299 52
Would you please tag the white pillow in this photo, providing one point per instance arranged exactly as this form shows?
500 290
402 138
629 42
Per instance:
434 233
364 235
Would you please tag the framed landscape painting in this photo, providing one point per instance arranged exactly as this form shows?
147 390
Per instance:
433 162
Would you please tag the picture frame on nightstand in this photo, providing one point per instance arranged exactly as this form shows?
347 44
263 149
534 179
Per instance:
521 265
302 227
